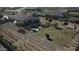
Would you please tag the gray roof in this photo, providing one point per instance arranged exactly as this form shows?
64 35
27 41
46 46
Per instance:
74 19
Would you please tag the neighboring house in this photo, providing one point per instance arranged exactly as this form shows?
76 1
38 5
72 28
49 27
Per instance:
74 19
74 15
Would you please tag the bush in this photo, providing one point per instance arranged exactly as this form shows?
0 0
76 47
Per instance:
21 31
13 13
19 24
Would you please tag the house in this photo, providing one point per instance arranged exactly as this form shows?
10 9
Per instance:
32 23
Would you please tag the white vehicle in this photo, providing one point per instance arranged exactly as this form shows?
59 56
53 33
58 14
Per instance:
35 29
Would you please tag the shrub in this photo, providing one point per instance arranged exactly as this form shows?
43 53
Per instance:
21 31
19 24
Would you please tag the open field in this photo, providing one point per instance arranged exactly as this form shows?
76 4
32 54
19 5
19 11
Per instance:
38 41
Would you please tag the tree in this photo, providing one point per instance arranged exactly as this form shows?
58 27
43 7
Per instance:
1 16
65 23
19 24
48 37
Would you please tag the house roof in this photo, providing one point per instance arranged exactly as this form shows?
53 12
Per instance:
32 22
74 18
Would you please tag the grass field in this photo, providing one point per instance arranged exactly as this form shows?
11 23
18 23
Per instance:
59 37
